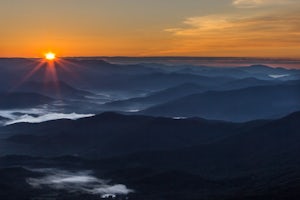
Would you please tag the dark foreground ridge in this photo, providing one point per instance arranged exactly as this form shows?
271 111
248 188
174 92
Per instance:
160 158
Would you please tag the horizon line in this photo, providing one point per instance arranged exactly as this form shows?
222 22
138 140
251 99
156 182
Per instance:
157 57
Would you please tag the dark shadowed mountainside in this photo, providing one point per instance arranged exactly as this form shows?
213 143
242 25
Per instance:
114 134
22 100
257 160
156 97
191 131
261 102
58 90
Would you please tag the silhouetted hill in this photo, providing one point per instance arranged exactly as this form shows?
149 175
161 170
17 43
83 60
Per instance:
156 97
247 82
159 158
113 134
173 79
153 81
266 69
98 75
185 89
22 100
253 160
3 118
262 72
150 183
236 105
272 146
13 184
53 89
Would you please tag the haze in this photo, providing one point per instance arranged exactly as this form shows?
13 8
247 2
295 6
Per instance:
252 28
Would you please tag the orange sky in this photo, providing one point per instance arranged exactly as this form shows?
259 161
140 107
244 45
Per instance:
255 28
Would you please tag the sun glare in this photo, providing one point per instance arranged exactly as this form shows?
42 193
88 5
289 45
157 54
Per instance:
50 56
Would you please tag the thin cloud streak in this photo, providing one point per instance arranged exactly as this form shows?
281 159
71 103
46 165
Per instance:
273 32
259 3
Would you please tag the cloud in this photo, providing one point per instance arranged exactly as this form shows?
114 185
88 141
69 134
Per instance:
259 3
238 24
278 75
46 117
272 34
14 113
195 25
80 181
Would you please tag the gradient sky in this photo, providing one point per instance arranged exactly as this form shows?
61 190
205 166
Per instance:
255 28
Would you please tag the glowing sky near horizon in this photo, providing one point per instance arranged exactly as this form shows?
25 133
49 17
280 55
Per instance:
259 28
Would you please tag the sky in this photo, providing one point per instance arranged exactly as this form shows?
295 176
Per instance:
222 28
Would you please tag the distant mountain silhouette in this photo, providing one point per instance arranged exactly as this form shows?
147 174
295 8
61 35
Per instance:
189 142
154 81
156 97
266 69
3 118
173 79
237 105
95 74
113 134
57 89
262 72
22 100
246 82
272 145
185 89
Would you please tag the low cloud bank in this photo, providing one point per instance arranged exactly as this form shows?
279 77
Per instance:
80 181
46 117
37 115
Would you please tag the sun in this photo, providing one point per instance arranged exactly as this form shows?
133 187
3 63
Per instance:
50 56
